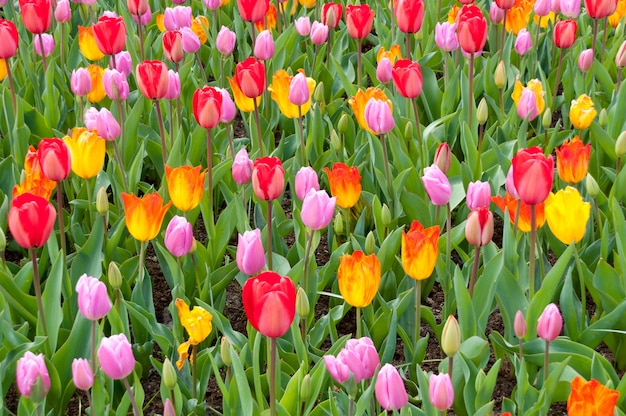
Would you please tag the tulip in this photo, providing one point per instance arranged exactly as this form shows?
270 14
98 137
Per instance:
250 76
306 179
269 300
8 33
389 389
591 398
437 185
359 101
242 102
48 44
599 9
32 376
122 62
144 215
168 408
185 186
252 10
582 112
87 150
523 42
572 160
505 4
207 106
264 46
82 375
565 33
511 202
97 92
445 36
361 357
93 299
529 100
442 157
199 26
378 116
115 355
358 277
519 325
319 33
225 41
31 219
115 85
87 44
175 18
550 323
570 8
471 29
409 15
331 14
110 34
478 195
152 79
345 184
420 250
173 46
359 20
228 109
173 85
337 369
212 4
585 60
440 391
179 236
510 184
103 122
620 57
36 15
542 7
250 253
190 41
35 181
567 215
451 337
527 105
532 175
384 71
496 14
407 78
317 209
55 159
198 324
137 7
303 25
242 167
144 19
281 91
479 227
268 178
299 90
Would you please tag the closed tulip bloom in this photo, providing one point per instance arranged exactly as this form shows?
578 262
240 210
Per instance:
63 12
306 179
440 391
389 389
533 174
479 227
550 323
250 254
110 34
591 398
407 78
337 369
299 92
620 57
384 71
190 41
48 44
359 101
212 4
319 33
269 300
378 116
250 76
519 325
345 184
97 92
179 236
116 358
103 122
471 29
31 219
93 299
173 85
565 33
144 19
445 36
582 112
442 157
54 158
509 184
567 214
409 15
31 368
152 79
420 250
173 46
268 178
358 277
570 8
599 9
185 185
88 150
317 209
505 4
331 14
478 195
242 167
123 62
572 160
36 15
87 44
225 41
175 18
8 33
264 46
82 375
542 7
228 109
168 408
137 7
585 60
359 20
496 14
303 25
115 85
361 357
207 106
144 216
523 42
437 185
252 10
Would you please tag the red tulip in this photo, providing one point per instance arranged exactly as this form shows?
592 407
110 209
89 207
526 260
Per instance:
471 29
505 4
565 33
31 219
359 20
269 300
599 9
207 106
532 175
8 34
110 34
137 7
331 14
253 10
173 46
250 75
410 15
55 159
152 79
36 15
268 178
407 78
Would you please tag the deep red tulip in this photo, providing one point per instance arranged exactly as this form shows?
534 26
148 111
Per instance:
268 178
269 300
55 159
152 79
407 78
250 75
173 46
331 14
137 7
110 34
409 15
565 33
31 219
36 15
359 20
207 106
253 10
471 29
599 9
533 174
8 34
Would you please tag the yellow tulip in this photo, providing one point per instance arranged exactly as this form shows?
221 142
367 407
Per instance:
97 92
200 26
359 101
185 186
567 215
619 13
453 13
281 82
160 19
242 102
392 54
358 277
536 87
87 44
543 21
144 216
88 150
197 322
420 250
582 112
3 69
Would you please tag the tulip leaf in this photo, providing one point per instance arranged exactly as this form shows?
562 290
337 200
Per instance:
51 299
88 258
467 315
23 303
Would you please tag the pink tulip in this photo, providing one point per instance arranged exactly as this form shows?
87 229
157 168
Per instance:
550 323
585 60
496 14
306 179
30 369
177 17
620 57
479 227
542 7
93 299
144 19
228 107
555 6
440 391
82 375
173 87
363 351
527 105
317 209
80 81
48 44
168 407
478 195
383 71
437 185
445 36
115 355
337 369
242 167
179 236
519 325
123 62
103 122
264 46
250 255
319 33
303 25
212 4
190 41
442 157
523 42
390 391
510 185
570 8
225 41
299 93
378 116
115 85
63 12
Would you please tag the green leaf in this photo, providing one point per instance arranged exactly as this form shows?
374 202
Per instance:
51 299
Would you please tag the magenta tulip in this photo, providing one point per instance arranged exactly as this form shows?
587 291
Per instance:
30 369
225 41
378 116
437 185
103 122
299 93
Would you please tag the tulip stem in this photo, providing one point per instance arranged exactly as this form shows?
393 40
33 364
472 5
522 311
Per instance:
470 107
617 166
501 104
358 322
42 315
120 165
93 347
595 203
43 54
209 164
272 365
536 47
419 136
131 396
595 34
358 63
619 78
140 37
142 259
546 362
314 58
347 212
418 311
583 292
328 47
503 34
533 236
60 217
302 141
407 37
448 241
450 365
390 189
558 79
231 144
521 351
518 207
269 234
90 200
472 281
258 127
162 132
12 87
194 368
203 72
307 251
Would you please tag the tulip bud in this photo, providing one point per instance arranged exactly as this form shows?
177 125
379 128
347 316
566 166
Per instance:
440 391
102 202
302 303
479 227
305 388
442 157
338 224
115 276
3 241
370 243
603 118
318 94
451 337
500 75
592 186
408 131
519 325
264 45
385 215
168 408
482 112
620 57
343 123
550 323
585 60
169 374
546 121
82 375
620 144
335 141
225 352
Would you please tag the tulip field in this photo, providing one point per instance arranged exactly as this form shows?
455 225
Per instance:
255 207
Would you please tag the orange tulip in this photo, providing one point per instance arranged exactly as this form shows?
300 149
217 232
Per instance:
345 184
35 181
518 16
359 101
270 16
620 12
523 222
453 13
591 398
358 277
144 216
572 160
185 185
392 54
97 92
420 250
